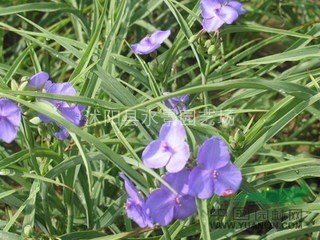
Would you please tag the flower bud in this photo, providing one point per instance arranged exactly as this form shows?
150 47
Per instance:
211 49
14 85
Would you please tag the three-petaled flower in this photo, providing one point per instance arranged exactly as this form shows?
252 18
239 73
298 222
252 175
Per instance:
176 104
216 174
71 112
217 12
170 149
135 205
10 118
150 44
165 205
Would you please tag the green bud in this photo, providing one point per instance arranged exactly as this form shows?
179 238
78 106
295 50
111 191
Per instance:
208 43
27 230
201 49
25 79
193 38
35 120
23 86
14 85
42 131
211 49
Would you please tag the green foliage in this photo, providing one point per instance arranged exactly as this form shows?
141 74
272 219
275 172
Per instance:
256 83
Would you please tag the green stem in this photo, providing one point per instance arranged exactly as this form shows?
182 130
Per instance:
204 220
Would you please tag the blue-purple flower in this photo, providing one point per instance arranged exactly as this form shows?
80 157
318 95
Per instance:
149 44
177 104
135 205
215 174
38 81
71 112
215 13
10 118
170 149
165 205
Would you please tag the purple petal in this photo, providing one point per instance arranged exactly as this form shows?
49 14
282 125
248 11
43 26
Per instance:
39 80
62 134
170 103
81 107
214 153
8 132
184 98
44 118
155 155
228 14
83 121
201 183
179 159
61 88
143 48
176 104
209 7
212 24
237 6
185 206
178 181
138 213
173 133
228 180
9 109
149 44
72 114
161 205
48 84
10 118
131 190
158 37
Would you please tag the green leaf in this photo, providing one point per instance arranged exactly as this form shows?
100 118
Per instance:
292 55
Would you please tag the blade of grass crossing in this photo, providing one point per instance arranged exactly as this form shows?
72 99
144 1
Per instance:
203 218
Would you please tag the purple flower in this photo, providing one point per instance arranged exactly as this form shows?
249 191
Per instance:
10 118
170 149
135 205
149 44
38 81
71 112
215 174
177 104
165 205
217 12
59 88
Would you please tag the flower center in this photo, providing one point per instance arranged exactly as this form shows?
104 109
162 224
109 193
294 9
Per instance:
58 105
215 174
178 200
167 148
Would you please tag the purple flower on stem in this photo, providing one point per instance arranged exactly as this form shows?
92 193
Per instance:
170 149
215 174
38 81
165 205
10 118
135 205
149 44
217 12
71 112
177 104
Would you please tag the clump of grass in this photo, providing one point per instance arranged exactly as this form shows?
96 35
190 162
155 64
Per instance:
255 83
